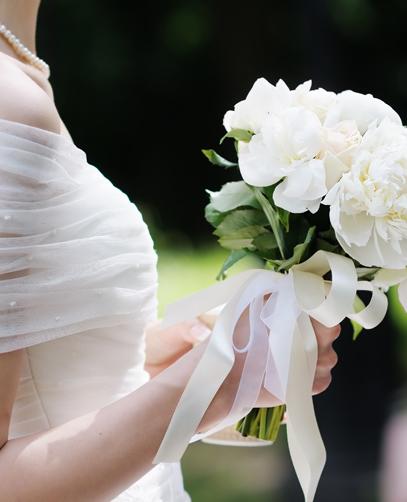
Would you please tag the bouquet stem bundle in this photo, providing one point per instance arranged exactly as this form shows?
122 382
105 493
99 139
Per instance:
262 423
320 171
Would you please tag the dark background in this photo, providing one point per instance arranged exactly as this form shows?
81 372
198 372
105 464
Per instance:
142 87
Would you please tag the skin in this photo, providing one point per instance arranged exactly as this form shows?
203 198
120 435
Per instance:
121 439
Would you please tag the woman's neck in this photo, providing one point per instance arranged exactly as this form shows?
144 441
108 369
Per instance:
20 17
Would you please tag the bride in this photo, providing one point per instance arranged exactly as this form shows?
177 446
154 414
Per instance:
86 390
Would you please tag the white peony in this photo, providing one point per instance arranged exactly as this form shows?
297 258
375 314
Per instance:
362 108
291 144
318 101
304 138
369 204
251 113
264 99
286 147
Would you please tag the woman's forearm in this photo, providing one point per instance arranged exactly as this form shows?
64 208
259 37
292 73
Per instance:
98 455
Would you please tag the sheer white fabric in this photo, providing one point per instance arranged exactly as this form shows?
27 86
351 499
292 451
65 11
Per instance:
78 285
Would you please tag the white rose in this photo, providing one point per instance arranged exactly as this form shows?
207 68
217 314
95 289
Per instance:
362 108
369 204
286 147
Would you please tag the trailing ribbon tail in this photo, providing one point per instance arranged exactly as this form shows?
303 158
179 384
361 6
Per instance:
281 351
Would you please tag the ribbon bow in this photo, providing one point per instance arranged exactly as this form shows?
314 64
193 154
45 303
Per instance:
281 352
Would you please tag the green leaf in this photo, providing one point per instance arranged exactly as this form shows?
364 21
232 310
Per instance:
213 216
266 245
233 258
366 273
326 246
233 195
328 235
357 328
215 159
239 135
283 215
240 227
273 219
238 221
241 239
298 253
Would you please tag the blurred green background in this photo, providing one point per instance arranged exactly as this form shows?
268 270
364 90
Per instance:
143 86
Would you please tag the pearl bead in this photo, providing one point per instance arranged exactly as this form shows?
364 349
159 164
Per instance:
25 53
13 304
6 216
57 318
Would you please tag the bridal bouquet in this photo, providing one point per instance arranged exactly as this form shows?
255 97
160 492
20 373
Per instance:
321 171
322 201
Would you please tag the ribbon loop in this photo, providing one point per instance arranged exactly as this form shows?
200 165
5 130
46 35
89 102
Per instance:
374 313
339 301
281 351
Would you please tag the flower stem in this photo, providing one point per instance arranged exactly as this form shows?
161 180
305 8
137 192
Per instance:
273 219
262 423
274 422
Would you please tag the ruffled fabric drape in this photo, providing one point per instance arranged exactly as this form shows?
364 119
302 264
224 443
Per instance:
78 285
74 254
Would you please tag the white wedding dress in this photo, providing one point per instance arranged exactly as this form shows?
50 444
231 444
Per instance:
78 285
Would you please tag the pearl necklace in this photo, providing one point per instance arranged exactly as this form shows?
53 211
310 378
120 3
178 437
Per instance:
22 51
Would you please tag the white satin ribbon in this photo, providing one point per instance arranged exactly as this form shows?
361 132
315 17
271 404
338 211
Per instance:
281 352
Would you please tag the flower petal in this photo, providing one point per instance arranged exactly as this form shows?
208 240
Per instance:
356 227
334 169
291 204
387 277
257 167
363 108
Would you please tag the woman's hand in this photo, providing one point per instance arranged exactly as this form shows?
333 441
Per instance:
327 357
327 360
165 346
225 396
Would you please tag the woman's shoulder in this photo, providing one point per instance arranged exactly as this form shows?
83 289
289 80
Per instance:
23 100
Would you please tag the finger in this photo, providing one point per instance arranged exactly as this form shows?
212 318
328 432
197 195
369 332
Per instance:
197 332
325 332
321 384
329 359
325 335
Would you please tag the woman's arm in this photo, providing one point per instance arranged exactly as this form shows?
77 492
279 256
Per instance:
98 455
10 367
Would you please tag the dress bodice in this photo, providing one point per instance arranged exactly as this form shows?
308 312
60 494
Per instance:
78 284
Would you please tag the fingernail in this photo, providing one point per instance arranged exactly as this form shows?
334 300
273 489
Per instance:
200 332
